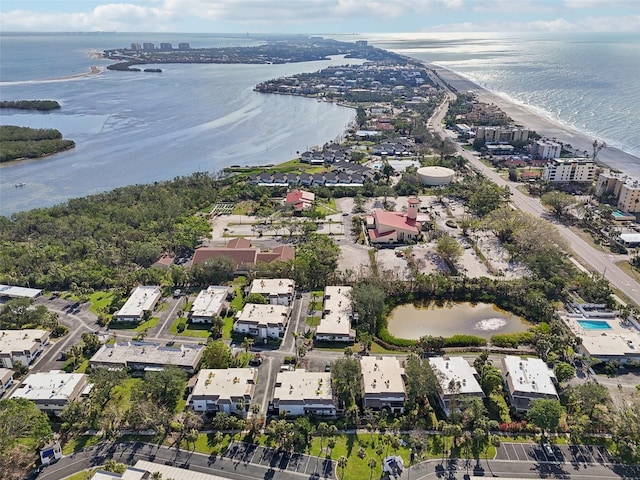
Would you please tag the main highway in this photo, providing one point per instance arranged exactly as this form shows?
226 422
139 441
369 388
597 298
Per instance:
598 261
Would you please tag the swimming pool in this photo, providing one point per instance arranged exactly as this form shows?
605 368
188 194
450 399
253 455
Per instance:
594 324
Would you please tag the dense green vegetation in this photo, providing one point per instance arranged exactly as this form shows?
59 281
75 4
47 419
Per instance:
42 105
24 142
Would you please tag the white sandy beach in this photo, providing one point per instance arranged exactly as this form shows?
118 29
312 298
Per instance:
546 127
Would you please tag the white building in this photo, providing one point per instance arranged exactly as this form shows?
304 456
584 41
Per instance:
21 345
10 291
383 384
527 379
147 356
6 379
228 390
52 391
456 378
144 469
546 149
569 170
208 304
262 321
502 134
396 227
624 189
299 392
335 325
142 300
276 291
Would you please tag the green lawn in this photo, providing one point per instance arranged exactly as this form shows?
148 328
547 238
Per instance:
137 327
326 206
81 442
313 321
121 394
207 443
83 475
377 348
228 328
192 330
100 300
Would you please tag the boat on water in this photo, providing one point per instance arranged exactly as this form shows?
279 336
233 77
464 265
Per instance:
21 184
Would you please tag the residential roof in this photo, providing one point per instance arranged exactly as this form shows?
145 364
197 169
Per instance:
18 341
458 370
337 311
53 385
299 196
148 353
142 299
382 375
226 385
209 302
272 286
5 374
242 253
395 220
301 385
18 292
529 375
264 314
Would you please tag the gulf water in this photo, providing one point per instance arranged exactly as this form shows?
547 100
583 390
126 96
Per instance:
138 128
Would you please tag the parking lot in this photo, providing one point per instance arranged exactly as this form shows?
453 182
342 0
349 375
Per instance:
587 454
314 467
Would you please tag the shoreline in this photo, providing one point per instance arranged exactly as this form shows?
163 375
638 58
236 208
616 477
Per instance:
611 157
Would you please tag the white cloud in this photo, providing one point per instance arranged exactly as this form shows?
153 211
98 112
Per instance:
608 4
559 25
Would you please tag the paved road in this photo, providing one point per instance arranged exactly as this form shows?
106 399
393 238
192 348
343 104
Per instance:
242 461
598 261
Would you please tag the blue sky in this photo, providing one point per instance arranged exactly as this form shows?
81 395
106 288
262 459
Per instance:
320 16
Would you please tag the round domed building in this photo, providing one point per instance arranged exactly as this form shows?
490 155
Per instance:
435 176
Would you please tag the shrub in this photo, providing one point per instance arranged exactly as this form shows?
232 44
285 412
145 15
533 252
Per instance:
498 407
511 340
182 326
59 331
464 341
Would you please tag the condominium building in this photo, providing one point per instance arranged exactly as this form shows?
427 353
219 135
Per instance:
456 378
209 303
527 379
21 345
52 391
276 291
262 321
502 134
228 390
383 383
624 189
546 149
337 312
299 392
142 301
569 170
6 379
146 356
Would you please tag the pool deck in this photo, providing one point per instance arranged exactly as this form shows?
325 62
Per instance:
606 344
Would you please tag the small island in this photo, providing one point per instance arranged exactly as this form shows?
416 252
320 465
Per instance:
40 105
23 142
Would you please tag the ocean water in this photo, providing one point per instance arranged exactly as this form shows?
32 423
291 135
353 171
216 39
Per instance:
138 128
132 128
590 82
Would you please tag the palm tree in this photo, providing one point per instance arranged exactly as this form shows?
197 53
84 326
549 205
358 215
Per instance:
156 476
371 463
331 443
247 343
342 464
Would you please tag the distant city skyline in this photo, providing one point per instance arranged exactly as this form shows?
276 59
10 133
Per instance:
321 16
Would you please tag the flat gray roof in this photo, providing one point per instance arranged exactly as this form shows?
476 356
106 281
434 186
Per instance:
18 292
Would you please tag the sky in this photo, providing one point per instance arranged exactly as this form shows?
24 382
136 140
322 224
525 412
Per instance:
320 16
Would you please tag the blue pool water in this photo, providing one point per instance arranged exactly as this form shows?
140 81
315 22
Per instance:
594 324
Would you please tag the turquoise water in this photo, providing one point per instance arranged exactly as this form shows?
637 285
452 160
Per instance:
618 213
594 324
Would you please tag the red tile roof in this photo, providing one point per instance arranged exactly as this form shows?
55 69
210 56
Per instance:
394 220
239 243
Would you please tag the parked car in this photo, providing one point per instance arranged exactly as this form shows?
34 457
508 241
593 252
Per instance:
177 293
256 361
547 448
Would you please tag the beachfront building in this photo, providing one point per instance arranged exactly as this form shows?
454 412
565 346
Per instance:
209 303
244 256
337 312
298 392
228 390
624 189
569 170
456 379
52 391
395 227
262 321
545 149
502 134
146 356
140 304
487 114
527 379
276 291
6 379
383 383
21 345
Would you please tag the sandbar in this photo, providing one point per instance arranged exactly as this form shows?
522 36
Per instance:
544 126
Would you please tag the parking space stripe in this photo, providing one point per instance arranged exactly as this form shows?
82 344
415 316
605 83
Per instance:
524 453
